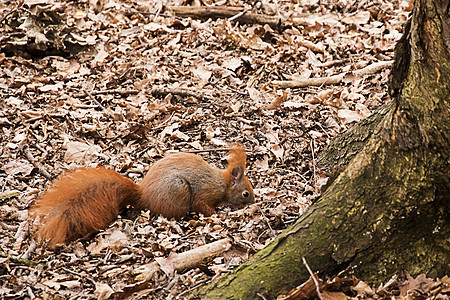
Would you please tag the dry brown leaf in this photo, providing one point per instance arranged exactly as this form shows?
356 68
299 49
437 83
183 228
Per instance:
100 58
232 64
81 153
359 18
349 116
277 150
327 295
19 167
103 291
262 164
363 289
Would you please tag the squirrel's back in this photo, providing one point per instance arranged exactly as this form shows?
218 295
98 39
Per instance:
174 183
184 182
82 202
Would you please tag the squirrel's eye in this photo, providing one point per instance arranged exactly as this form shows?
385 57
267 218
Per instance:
245 194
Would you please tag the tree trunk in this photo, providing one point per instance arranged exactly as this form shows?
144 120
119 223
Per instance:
388 208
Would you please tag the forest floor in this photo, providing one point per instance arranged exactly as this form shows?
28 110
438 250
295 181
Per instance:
122 83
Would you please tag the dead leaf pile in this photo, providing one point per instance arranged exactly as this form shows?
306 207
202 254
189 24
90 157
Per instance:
122 83
402 286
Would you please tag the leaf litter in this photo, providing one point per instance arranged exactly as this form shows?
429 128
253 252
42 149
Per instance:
122 83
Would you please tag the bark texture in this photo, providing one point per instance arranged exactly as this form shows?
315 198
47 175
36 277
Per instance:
388 208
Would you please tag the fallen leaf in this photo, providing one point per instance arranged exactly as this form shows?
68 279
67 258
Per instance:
103 291
348 116
81 153
21 166
359 18
232 64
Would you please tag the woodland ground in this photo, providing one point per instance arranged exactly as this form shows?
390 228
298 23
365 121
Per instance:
121 83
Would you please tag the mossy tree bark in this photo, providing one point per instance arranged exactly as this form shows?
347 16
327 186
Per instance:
387 210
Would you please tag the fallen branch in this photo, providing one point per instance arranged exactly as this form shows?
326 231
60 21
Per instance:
335 79
156 91
182 261
300 83
373 68
233 13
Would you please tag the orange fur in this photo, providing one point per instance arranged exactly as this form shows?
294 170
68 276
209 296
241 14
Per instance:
86 200
82 202
236 158
184 182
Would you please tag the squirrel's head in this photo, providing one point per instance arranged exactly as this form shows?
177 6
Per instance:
240 190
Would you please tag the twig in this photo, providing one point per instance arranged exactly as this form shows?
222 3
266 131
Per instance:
238 15
314 163
113 91
30 293
9 13
335 79
30 250
233 13
36 164
160 91
267 220
199 283
373 68
106 110
313 278
158 11
9 195
261 296
311 45
95 100
79 275
157 91
182 261
332 62
135 11
301 83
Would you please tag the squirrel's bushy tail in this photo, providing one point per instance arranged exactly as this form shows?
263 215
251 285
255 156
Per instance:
80 203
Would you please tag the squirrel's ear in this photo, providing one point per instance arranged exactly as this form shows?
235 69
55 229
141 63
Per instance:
237 173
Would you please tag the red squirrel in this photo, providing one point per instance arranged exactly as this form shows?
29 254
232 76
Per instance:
86 200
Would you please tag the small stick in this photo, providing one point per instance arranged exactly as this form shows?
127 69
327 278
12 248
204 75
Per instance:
185 260
207 150
79 275
30 250
331 63
200 283
261 296
30 293
334 79
36 164
106 110
11 12
95 100
314 163
238 15
183 92
313 278
114 91
226 12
